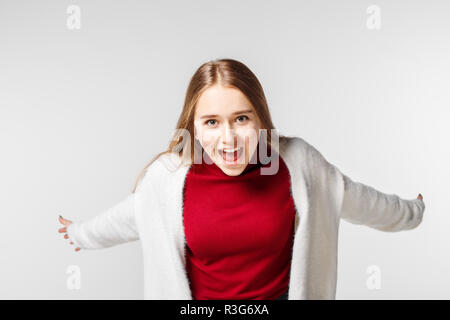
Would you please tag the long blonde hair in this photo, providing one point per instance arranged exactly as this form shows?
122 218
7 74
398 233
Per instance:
225 72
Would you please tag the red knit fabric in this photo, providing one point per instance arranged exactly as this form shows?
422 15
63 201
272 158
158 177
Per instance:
239 232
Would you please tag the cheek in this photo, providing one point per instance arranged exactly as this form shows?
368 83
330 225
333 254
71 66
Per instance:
208 138
250 135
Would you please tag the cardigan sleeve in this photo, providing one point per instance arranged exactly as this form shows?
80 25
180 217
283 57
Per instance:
114 226
365 205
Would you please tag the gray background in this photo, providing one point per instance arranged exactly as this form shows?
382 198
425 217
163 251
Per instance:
83 111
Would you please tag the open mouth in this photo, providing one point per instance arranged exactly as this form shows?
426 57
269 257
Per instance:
231 157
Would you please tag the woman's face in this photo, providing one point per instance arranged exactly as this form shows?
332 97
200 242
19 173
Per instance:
226 120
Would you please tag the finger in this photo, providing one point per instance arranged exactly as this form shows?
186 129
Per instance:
66 236
61 230
64 221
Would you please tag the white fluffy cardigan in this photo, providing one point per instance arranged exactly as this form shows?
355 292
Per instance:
322 196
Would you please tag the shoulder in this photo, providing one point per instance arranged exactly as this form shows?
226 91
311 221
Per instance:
299 151
160 170
298 147
302 153
164 167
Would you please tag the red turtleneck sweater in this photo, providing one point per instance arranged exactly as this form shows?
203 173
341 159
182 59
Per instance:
239 232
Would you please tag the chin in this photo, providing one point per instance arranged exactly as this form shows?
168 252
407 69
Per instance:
233 172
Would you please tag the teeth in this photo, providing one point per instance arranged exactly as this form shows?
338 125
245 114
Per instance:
231 150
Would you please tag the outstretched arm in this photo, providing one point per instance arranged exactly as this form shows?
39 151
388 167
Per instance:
112 227
363 204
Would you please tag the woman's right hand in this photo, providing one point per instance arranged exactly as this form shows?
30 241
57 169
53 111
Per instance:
66 223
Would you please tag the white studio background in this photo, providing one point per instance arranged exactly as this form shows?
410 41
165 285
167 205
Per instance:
83 110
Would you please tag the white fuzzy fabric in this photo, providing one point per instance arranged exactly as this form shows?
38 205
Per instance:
322 196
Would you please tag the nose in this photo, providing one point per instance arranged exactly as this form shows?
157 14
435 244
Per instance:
229 138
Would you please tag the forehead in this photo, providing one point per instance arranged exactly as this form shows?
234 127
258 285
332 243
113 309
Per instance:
222 101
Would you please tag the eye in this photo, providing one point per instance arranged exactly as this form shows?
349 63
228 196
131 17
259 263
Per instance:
246 118
207 122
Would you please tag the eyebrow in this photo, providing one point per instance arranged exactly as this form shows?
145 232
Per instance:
234 113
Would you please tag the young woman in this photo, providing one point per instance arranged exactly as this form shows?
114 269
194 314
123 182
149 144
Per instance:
232 210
